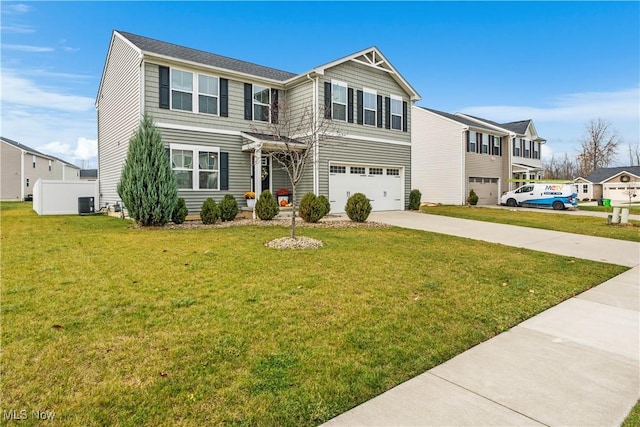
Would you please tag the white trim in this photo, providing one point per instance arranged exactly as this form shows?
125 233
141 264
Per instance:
198 129
372 139
193 87
375 107
195 150
196 101
316 147
106 62
22 181
254 102
346 99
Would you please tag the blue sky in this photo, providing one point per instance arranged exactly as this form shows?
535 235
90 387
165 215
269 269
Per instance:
558 63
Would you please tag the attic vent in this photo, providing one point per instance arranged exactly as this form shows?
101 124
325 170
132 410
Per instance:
625 178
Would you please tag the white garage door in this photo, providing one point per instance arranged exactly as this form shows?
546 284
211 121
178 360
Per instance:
381 185
620 192
486 189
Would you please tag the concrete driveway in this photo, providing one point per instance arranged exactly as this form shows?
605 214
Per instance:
576 364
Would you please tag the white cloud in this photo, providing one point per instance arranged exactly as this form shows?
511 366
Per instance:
83 152
86 148
20 91
17 29
15 8
27 48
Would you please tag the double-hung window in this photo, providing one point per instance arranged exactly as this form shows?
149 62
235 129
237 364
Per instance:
485 143
208 91
472 142
196 167
516 147
536 150
527 149
261 103
396 112
370 107
585 188
496 145
181 90
338 100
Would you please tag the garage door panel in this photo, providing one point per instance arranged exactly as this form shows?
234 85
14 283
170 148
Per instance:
384 190
486 189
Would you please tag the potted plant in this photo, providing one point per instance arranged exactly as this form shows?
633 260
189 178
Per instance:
250 196
283 194
473 198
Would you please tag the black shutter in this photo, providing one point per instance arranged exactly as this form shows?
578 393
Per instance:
467 140
224 171
274 105
360 107
500 148
379 120
405 118
387 112
327 100
224 98
164 86
478 141
350 105
248 101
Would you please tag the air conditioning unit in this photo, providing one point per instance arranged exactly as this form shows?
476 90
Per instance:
86 205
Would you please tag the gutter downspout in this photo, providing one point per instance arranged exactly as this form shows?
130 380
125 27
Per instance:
464 180
316 149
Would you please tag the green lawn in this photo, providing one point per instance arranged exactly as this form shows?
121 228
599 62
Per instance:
107 324
633 419
578 224
633 210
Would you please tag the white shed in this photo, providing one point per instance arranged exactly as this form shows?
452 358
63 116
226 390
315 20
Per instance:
61 197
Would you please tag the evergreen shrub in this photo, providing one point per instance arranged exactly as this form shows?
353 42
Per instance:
228 208
266 206
180 212
209 213
358 207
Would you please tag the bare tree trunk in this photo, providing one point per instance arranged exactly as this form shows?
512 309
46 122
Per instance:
293 211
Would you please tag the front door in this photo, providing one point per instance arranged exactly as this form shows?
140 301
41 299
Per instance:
265 177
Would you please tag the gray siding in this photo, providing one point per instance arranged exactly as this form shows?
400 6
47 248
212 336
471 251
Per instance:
359 76
365 152
118 115
239 165
235 121
10 158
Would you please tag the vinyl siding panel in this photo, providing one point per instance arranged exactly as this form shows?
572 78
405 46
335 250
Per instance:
235 120
41 171
239 165
300 98
437 158
484 166
118 115
364 152
359 76
10 158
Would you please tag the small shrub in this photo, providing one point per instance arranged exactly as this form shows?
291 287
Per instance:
414 199
209 212
473 198
180 212
358 207
325 204
228 208
313 208
266 206
586 199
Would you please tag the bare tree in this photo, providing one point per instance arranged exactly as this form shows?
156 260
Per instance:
634 154
563 168
297 136
599 146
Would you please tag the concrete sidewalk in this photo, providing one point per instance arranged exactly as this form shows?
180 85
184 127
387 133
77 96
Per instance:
575 364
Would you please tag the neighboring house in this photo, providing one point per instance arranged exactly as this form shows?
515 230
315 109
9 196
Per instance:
213 111
89 174
453 154
619 184
65 171
21 167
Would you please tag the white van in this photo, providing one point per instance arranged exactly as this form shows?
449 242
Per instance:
542 195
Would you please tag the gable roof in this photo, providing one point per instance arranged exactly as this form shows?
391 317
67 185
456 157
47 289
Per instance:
519 127
459 119
152 46
603 174
25 147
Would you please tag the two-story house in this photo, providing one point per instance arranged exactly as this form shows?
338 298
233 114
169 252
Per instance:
214 113
453 154
23 166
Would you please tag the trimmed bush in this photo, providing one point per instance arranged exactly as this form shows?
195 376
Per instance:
473 198
325 204
228 208
267 206
209 212
414 200
180 212
358 207
313 208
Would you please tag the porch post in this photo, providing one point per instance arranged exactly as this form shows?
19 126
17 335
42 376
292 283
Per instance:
257 175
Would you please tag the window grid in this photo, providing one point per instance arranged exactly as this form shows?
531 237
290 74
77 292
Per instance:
181 90
337 169
394 172
370 107
339 101
396 113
